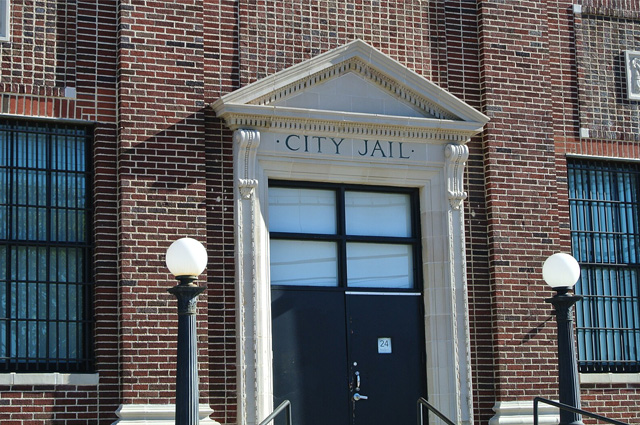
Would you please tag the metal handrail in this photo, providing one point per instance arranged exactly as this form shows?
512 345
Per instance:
284 405
424 403
571 409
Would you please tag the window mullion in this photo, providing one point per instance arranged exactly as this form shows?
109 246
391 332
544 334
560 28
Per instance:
342 240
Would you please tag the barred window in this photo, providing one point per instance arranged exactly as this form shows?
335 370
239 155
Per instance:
45 247
605 213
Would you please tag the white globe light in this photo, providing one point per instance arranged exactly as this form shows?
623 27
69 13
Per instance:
186 257
561 271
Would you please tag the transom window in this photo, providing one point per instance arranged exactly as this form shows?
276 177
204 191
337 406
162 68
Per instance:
604 200
45 247
343 236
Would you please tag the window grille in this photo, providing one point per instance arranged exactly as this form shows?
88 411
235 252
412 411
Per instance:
45 247
605 230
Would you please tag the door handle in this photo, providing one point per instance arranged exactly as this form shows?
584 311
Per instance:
358 397
357 381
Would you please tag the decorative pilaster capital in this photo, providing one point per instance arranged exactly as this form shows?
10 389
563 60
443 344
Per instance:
456 158
186 295
246 146
563 304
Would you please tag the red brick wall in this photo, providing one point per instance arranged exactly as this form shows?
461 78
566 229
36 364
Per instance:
56 46
163 168
520 192
600 106
221 62
276 35
602 36
162 190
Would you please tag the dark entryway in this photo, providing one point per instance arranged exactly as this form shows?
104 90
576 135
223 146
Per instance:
332 348
347 307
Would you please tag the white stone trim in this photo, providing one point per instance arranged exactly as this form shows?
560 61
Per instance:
584 132
70 92
402 78
311 121
520 412
632 71
54 378
366 71
445 117
5 20
456 156
610 378
157 414
436 137
446 321
247 142
253 296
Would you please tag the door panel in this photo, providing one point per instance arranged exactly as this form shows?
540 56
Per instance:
386 348
310 355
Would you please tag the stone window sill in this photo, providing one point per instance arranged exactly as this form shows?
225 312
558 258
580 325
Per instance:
48 378
610 378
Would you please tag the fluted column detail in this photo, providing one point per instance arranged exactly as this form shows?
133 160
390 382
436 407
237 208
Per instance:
187 394
568 382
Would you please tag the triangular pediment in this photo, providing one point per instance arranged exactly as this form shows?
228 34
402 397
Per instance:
352 93
354 89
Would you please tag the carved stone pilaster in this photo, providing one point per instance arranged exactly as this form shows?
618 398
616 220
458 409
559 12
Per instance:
456 158
247 142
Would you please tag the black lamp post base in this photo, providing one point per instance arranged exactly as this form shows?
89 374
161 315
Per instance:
187 396
568 383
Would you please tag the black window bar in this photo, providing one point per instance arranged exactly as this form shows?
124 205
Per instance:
604 205
45 247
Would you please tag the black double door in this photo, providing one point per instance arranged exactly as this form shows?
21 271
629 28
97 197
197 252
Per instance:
348 357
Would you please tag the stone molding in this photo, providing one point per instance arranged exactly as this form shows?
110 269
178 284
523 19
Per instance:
446 327
456 158
157 414
55 378
444 117
520 412
368 72
247 142
632 70
610 378
438 121
320 122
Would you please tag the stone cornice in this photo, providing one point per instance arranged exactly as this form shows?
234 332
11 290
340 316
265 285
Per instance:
259 105
282 120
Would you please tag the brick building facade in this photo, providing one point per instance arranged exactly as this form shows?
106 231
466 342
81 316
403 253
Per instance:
126 125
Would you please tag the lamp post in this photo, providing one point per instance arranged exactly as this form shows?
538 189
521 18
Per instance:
186 259
561 272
